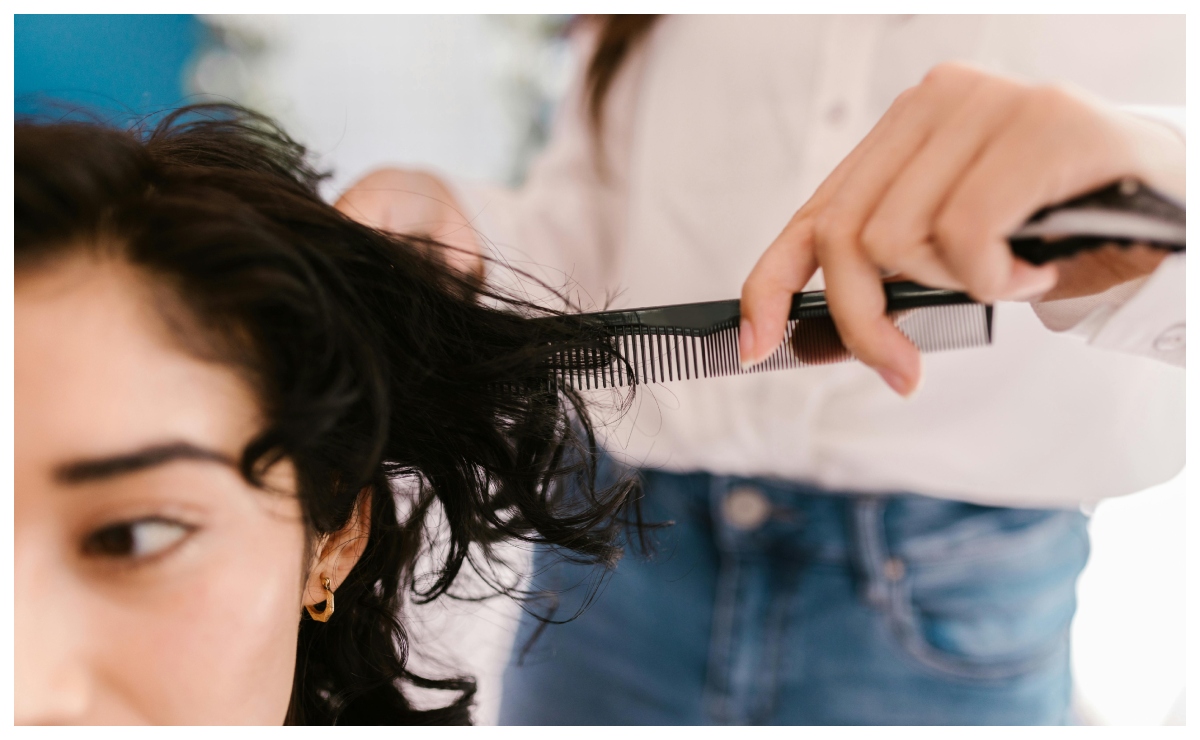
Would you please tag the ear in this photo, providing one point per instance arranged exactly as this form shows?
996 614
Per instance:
337 552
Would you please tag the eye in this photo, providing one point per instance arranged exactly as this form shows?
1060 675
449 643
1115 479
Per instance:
135 540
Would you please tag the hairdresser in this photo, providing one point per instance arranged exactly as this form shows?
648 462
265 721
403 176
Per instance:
846 548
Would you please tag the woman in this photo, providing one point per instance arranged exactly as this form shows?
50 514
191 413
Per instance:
841 554
241 417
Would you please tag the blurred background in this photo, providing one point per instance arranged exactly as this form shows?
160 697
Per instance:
472 97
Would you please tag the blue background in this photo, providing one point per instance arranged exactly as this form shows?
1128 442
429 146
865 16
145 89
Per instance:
110 65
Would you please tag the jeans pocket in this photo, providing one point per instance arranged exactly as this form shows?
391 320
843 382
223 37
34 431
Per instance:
992 606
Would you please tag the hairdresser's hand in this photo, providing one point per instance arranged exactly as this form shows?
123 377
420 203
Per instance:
418 204
956 164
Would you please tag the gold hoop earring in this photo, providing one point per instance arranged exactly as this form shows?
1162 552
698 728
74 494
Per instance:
322 616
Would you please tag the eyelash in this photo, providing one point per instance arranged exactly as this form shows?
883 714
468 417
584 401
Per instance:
120 540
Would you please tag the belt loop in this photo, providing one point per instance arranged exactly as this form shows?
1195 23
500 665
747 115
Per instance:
869 551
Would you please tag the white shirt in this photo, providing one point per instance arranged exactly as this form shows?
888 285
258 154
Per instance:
717 128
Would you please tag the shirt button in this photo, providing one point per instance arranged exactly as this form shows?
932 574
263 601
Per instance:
835 115
746 508
1171 340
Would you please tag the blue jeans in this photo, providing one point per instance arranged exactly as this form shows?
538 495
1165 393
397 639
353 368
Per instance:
776 603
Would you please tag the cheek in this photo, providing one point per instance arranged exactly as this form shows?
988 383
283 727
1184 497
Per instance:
219 646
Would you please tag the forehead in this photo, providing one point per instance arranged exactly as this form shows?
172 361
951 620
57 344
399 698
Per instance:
97 371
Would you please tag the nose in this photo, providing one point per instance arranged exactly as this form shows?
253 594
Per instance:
52 685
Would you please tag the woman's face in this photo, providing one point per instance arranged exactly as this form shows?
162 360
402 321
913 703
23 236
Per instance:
154 585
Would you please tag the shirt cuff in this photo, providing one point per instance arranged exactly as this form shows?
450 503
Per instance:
1143 317
1172 116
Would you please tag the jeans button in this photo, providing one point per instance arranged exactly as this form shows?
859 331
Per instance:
746 508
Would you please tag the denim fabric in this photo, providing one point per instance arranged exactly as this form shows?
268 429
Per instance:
837 609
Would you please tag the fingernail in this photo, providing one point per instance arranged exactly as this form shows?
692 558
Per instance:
1036 285
746 344
897 382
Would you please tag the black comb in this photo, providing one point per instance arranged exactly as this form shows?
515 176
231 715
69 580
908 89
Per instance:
700 340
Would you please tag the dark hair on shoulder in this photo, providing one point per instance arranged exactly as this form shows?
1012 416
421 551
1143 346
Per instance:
617 36
372 364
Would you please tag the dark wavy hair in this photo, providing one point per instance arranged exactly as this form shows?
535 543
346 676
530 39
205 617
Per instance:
371 360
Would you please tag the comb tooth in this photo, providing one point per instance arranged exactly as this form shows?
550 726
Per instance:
784 355
681 362
730 355
664 355
694 359
645 366
648 358
660 357
618 370
672 359
735 366
631 371
618 357
645 343
675 356
627 359
664 352
789 347
662 361
618 362
601 365
648 349
614 364
638 359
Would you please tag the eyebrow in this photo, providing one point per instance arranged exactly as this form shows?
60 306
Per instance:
112 466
